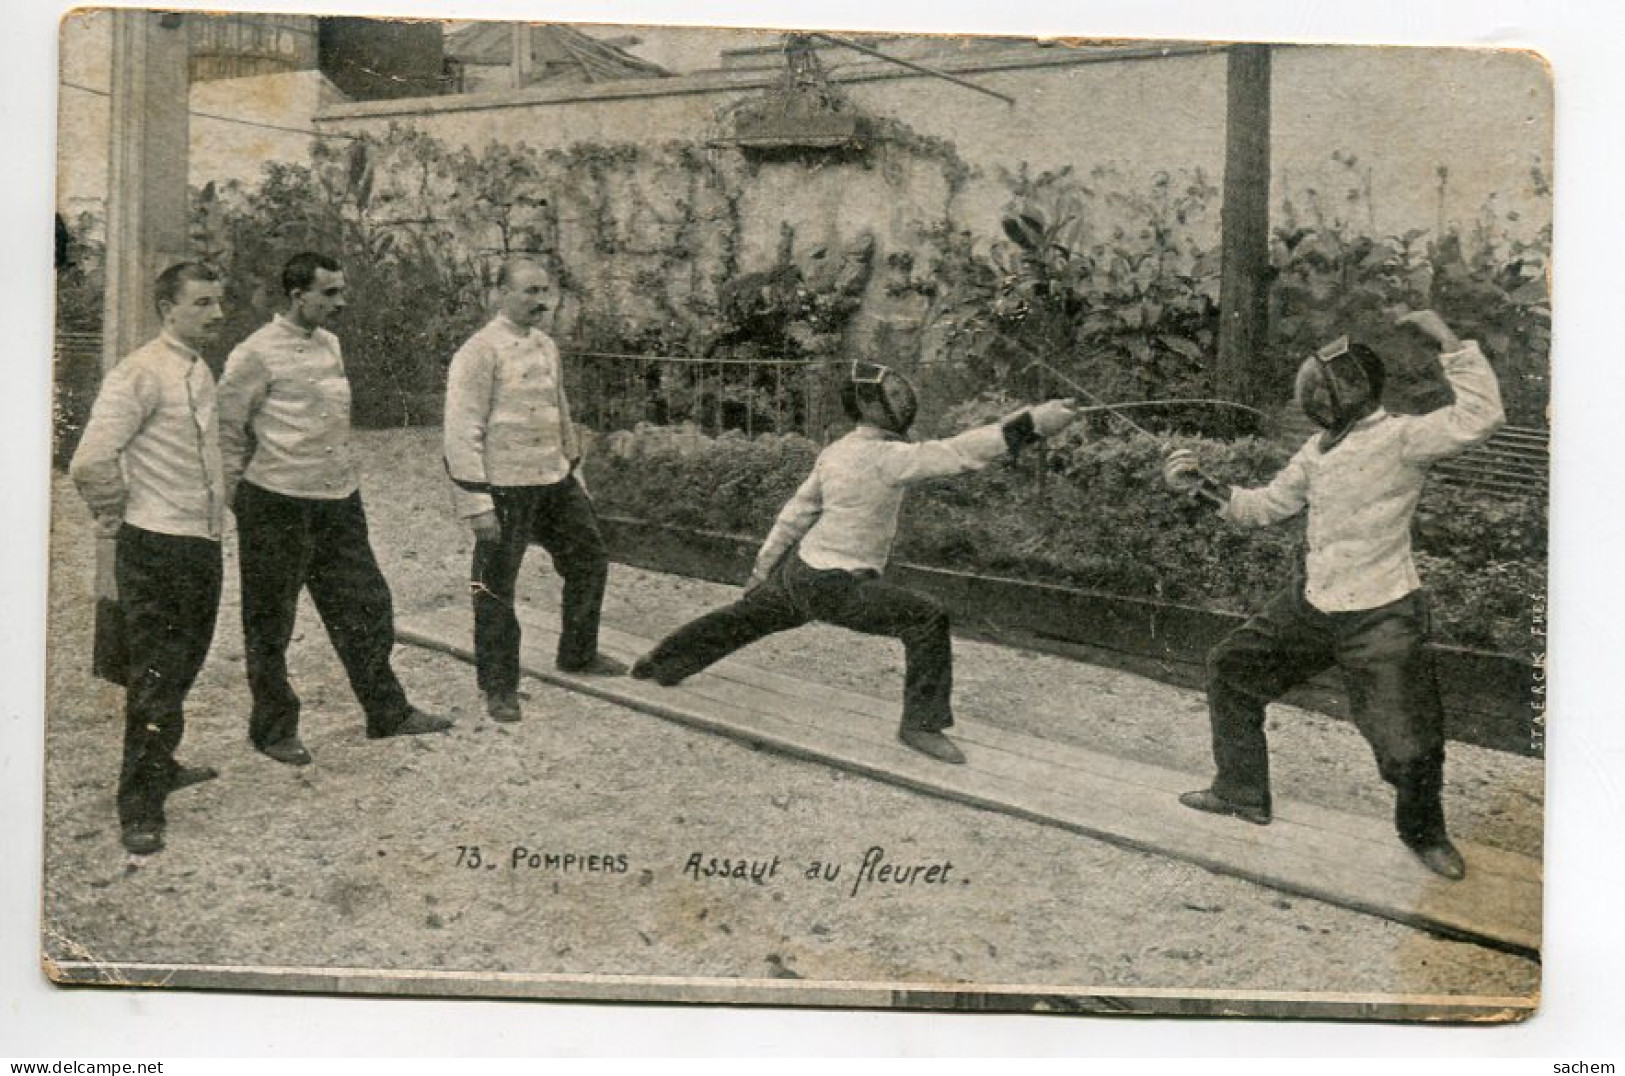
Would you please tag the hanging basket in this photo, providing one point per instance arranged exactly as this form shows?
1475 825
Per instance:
810 130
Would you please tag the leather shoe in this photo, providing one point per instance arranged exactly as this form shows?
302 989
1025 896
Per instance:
644 669
289 752
415 723
187 776
503 706
935 744
1213 803
143 838
1441 857
600 665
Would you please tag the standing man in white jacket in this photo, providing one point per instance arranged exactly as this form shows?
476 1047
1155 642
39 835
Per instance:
285 440
149 467
1356 600
512 450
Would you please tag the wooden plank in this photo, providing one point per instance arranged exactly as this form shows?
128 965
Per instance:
1482 467
1347 860
1512 450
865 718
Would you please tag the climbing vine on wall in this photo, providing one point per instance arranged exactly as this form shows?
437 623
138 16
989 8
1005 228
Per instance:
648 241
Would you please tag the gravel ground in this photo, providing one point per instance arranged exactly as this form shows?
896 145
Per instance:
354 861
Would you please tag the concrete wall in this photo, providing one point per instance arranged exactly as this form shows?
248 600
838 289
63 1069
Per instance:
238 124
1399 113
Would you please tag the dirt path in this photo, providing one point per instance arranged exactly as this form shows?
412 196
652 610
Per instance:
354 861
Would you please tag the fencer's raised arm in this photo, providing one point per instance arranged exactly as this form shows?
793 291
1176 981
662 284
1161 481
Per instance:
1477 411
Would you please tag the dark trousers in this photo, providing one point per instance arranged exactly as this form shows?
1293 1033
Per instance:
169 590
795 593
560 518
1393 694
286 544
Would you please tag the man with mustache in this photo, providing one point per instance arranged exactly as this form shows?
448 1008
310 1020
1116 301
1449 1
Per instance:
149 467
285 439
513 451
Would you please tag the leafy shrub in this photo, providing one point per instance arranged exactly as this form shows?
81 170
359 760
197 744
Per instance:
1333 277
682 477
1118 290
1092 512
414 298
80 276
1107 287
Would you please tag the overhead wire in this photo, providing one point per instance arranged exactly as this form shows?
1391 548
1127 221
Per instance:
1204 490
1115 409
308 131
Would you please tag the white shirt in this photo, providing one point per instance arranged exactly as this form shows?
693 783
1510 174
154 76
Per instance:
285 414
845 513
1361 494
150 454
507 418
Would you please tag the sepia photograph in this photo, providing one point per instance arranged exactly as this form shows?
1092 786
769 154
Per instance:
797 517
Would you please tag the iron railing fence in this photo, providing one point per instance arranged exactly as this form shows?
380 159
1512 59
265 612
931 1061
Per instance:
616 391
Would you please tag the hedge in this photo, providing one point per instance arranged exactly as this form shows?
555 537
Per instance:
1091 512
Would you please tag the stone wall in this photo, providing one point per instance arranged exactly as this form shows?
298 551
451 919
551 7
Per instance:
1399 114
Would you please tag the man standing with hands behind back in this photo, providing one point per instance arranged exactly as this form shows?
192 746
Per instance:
513 451
149 467
284 435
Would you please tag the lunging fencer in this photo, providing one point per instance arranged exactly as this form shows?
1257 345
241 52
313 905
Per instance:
1355 601
824 557
512 450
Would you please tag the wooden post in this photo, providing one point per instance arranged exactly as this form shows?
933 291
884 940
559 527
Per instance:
146 214
1245 224
147 172
523 58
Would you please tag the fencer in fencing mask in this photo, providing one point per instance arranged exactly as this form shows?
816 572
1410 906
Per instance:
881 396
1337 386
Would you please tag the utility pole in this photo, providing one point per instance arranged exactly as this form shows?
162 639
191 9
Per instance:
148 133
147 172
523 55
1244 222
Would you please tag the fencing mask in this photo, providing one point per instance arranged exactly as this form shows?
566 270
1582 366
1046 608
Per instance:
1337 386
880 395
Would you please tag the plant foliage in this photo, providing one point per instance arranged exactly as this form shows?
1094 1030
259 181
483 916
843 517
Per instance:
1101 520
